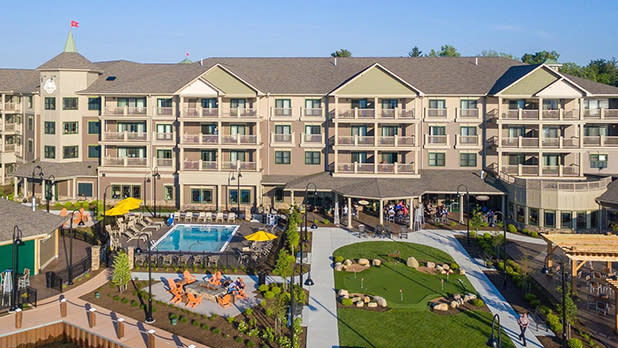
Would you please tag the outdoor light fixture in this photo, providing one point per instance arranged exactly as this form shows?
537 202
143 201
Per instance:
41 175
155 176
464 210
493 342
17 241
48 189
71 233
149 318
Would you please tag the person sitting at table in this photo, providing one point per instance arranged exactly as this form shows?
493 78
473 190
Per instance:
240 283
231 287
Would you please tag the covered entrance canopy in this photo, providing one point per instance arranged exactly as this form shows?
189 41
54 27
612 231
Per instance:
385 189
581 248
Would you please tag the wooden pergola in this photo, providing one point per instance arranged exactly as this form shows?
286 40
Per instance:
581 248
614 285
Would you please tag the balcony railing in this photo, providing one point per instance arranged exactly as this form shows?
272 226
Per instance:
390 114
125 110
543 170
467 140
207 139
287 139
240 113
281 112
239 165
125 161
357 113
238 139
164 136
468 113
164 111
199 165
9 147
9 127
436 113
601 114
311 112
600 141
165 162
375 168
312 139
12 106
200 112
125 136
396 140
436 140
357 140
533 114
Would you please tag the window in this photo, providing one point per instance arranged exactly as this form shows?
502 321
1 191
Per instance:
313 107
467 131
132 152
168 192
164 102
236 103
551 104
517 104
30 123
360 157
467 104
467 160
580 221
313 130
50 127
238 156
138 103
596 103
283 129
69 103
389 131
549 218
437 130
566 219
388 157
69 127
312 157
94 127
358 130
282 157
164 153
598 161
533 216
201 195
84 189
361 104
70 151
30 102
208 103
437 159
245 196
94 151
126 191
437 104
49 151
29 145
389 104
278 194
209 155
521 214
283 107
50 103
94 103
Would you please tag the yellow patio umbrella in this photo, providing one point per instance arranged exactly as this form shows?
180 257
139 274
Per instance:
129 203
260 236
117 210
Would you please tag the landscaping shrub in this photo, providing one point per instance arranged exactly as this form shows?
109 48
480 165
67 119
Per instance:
534 234
338 258
554 322
574 343
242 326
204 326
487 236
269 295
248 312
263 288
529 296
525 231
275 290
231 319
453 224
116 297
124 300
183 319
238 339
347 302
195 322
250 344
511 228
535 303
454 266
544 309
216 330
472 234
478 302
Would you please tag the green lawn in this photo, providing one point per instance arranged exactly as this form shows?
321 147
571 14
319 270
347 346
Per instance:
409 323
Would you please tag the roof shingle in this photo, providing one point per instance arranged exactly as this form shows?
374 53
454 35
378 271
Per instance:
30 223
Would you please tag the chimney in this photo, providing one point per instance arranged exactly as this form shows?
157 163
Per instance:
202 62
335 61
476 60
554 66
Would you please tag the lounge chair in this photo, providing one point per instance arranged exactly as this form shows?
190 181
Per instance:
174 290
240 294
215 279
176 216
225 301
201 217
192 300
188 216
151 221
208 216
139 222
231 217
219 217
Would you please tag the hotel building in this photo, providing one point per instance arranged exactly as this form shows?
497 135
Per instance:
255 131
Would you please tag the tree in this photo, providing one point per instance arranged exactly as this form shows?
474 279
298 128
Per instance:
122 273
341 53
494 53
540 57
571 307
432 53
448 51
285 264
416 52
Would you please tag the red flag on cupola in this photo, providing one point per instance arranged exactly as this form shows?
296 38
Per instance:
74 24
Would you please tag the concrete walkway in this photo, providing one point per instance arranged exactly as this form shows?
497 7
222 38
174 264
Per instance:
322 315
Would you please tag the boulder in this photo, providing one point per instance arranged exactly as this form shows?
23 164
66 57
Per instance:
372 305
356 299
457 297
439 268
431 264
443 307
376 262
338 267
412 262
347 262
450 271
443 272
462 271
360 304
366 299
469 297
446 266
343 292
363 262
381 301
454 304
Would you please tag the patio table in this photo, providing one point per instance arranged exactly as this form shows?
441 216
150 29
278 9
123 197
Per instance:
208 291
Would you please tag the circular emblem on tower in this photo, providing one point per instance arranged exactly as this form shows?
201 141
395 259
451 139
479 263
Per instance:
49 86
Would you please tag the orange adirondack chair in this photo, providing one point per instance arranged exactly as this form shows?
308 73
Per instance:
175 290
225 301
188 278
216 279
240 294
192 300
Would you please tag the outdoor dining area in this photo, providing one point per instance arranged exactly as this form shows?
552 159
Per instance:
190 291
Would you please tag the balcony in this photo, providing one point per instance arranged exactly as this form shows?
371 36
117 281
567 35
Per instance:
200 165
355 140
9 148
357 113
125 136
12 107
546 115
165 162
467 115
364 114
238 165
282 139
164 111
239 139
467 141
9 127
520 142
544 170
436 114
600 141
125 110
164 137
311 113
200 139
198 112
241 113
436 141
125 162
601 114
396 140
375 168
283 113
312 140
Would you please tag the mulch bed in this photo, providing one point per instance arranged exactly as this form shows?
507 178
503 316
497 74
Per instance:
213 331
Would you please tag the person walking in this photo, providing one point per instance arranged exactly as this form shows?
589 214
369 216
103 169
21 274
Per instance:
523 325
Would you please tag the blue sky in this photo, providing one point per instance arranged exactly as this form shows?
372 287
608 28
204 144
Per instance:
162 31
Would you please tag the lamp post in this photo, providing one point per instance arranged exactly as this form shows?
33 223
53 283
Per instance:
48 188
71 232
292 306
149 318
546 270
237 190
17 241
464 210
503 244
40 174
492 342
309 281
155 176
146 181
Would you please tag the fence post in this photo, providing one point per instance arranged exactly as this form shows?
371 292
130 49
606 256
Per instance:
151 338
95 262
63 307
120 327
18 317
92 319
131 255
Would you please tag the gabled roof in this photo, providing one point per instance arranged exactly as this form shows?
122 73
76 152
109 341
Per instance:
30 223
19 80
68 60
385 71
58 169
511 75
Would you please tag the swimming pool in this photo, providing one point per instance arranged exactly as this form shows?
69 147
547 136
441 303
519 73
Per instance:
196 238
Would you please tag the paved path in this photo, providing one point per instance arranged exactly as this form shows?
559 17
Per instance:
322 315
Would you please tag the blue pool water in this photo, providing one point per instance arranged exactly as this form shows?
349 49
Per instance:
196 238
